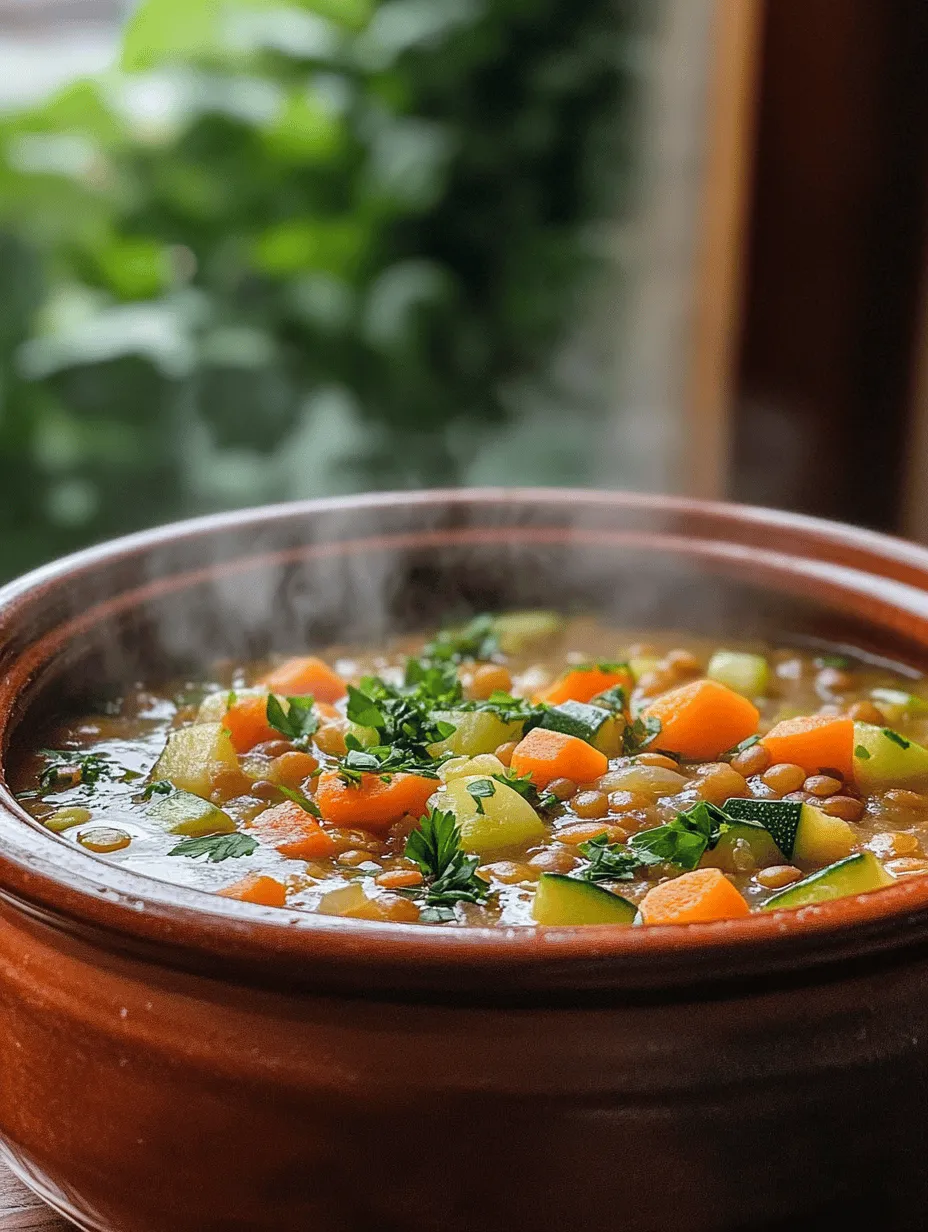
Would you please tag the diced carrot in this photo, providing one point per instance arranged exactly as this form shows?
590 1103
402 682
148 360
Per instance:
294 832
372 804
583 684
326 710
548 755
693 898
399 878
306 675
246 722
701 720
816 742
266 891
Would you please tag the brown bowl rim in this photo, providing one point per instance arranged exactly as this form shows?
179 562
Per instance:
76 889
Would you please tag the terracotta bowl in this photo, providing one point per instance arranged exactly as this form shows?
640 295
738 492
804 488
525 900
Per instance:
174 1061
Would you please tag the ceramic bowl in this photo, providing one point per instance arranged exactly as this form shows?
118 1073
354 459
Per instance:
172 1060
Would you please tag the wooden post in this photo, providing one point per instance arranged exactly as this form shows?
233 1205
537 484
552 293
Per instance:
731 110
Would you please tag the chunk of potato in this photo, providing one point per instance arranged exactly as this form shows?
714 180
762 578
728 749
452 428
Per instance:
476 731
214 705
485 764
193 755
506 821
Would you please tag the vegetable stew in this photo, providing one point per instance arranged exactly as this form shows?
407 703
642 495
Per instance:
519 769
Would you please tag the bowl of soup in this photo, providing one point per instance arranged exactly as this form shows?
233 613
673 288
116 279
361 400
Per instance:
522 857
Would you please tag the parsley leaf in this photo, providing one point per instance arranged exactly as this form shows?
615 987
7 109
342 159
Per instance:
405 722
640 734
896 738
683 840
216 847
385 760
435 843
363 710
298 797
741 748
607 861
437 683
158 787
71 769
480 790
298 722
612 699
476 640
451 876
510 709
862 752
522 783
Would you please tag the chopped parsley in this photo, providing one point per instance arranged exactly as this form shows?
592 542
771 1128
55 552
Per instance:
71 769
385 760
613 699
896 738
216 847
300 798
607 861
480 790
477 640
608 666
683 840
862 752
832 660
640 734
741 748
363 710
158 787
451 876
298 722
403 718
522 783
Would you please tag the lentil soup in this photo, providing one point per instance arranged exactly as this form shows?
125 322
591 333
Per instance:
517 770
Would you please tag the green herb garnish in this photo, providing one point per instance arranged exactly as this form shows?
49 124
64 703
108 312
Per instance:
300 798
159 787
741 748
363 710
607 861
70 769
480 790
613 699
839 661
522 783
683 840
403 718
450 874
640 734
216 847
298 722
862 752
477 640
896 738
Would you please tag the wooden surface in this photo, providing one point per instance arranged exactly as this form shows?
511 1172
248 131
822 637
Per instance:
22 1211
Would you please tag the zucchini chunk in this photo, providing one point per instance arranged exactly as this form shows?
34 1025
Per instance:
883 758
801 831
857 874
566 900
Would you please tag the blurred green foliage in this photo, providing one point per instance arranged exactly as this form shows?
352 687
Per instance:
288 249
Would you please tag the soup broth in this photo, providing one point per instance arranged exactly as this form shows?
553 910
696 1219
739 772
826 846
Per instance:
521 769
